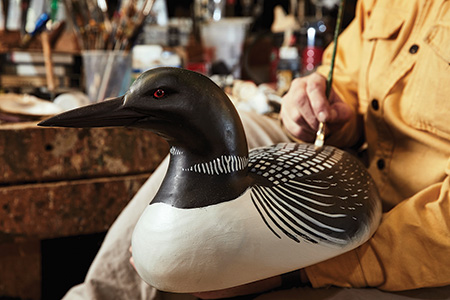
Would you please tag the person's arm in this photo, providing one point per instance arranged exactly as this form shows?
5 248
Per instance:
409 250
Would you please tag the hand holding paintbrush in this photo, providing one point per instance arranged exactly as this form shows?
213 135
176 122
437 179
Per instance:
310 103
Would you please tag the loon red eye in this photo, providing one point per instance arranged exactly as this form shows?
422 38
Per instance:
159 93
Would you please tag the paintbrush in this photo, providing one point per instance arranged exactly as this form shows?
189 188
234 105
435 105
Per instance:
24 6
5 4
50 76
320 135
139 24
39 27
96 30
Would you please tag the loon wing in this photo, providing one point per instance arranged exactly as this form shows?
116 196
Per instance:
323 195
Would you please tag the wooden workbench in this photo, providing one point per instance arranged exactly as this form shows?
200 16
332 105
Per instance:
58 182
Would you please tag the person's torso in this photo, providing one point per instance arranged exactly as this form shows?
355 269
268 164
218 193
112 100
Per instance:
404 91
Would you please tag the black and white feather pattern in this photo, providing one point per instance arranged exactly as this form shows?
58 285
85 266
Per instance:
224 164
308 194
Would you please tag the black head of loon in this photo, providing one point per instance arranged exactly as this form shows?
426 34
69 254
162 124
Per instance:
197 119
184 107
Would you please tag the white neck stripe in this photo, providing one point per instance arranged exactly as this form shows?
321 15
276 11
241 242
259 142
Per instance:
222 165
175 151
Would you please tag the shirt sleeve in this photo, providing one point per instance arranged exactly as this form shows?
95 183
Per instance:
409 250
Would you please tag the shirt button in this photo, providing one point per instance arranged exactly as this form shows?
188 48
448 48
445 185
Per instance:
375 104
381 164
414 48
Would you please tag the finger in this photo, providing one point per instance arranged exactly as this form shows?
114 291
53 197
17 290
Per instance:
299 129
308 117
296 105
342 111
315 89
295 99
290 109
132 262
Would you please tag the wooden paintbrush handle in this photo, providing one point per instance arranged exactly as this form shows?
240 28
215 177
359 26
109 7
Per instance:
48 61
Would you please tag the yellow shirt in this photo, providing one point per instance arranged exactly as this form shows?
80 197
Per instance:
393 66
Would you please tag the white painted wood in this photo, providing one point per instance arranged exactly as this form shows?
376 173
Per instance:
218 246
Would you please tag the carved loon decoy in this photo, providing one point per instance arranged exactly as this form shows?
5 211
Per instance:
225 216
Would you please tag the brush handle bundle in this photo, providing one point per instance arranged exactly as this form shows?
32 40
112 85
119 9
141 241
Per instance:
99 27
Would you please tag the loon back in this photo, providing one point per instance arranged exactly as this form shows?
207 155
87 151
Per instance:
316 195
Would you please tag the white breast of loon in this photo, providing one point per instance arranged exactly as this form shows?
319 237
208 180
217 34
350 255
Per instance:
307 207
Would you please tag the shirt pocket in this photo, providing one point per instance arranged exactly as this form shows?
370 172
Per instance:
381 45
383 24
426 103
438 38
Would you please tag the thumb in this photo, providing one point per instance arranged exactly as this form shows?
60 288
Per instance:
341 112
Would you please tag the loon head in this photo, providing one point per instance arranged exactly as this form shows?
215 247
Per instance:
184 107
197 119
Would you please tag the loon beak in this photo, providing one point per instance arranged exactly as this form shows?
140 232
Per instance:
109 113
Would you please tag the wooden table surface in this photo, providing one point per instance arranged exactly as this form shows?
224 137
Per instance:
59 182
